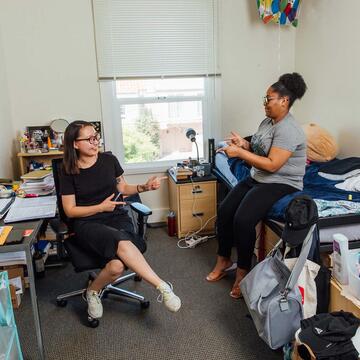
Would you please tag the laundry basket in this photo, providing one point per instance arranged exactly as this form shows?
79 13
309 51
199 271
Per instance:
9 339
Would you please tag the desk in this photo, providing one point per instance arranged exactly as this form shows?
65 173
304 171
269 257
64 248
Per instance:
25 158
26 246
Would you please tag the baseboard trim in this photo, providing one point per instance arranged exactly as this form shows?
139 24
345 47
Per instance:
158 215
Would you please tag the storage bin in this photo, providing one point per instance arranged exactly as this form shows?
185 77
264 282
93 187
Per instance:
6 313
9 339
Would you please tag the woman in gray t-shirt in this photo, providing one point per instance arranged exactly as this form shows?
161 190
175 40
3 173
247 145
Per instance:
277 155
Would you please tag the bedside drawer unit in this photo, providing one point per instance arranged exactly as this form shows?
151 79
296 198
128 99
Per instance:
197 191
194 204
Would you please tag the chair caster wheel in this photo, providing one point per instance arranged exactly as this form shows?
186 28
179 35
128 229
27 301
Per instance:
61 303
93 323
145 304
137 278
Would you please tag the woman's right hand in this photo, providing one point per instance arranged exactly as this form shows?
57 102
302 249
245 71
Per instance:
237 140
108 205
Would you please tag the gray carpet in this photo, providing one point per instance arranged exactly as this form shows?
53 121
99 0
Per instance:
210 324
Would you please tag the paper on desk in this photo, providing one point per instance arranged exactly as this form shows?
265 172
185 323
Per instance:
31 208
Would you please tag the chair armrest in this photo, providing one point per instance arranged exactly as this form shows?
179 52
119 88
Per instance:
140 209
59 227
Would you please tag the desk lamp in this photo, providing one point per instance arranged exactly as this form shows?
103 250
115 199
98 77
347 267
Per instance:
191 135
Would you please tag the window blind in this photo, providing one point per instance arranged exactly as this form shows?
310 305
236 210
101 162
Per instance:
151 38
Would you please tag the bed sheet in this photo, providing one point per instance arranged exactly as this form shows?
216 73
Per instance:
235 170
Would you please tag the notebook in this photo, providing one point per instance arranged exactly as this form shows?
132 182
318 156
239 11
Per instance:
31 208
4 232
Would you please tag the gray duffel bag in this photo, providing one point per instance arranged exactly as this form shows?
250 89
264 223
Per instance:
272 297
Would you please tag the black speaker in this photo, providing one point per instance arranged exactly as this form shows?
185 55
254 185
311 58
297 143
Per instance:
212 152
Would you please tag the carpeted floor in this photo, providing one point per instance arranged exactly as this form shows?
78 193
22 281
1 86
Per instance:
210 324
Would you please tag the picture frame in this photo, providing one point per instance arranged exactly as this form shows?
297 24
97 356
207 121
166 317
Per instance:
39 134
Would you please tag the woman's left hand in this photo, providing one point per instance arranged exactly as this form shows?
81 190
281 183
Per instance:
154 183
231 150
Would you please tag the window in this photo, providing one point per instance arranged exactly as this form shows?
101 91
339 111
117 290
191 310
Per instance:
155 114
157 69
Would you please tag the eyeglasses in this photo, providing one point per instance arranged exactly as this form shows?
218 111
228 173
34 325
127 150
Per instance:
92 139
267 99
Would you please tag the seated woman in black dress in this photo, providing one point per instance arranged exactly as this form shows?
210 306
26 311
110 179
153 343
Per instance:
88 184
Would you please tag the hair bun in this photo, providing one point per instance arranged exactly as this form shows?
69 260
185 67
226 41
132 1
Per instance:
294 83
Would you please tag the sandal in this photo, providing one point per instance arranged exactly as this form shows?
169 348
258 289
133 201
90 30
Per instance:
235 292
216 276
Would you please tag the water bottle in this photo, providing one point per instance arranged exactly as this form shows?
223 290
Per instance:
171 223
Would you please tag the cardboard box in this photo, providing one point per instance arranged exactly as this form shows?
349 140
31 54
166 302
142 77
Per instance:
339 302
15 271
15 298
270 240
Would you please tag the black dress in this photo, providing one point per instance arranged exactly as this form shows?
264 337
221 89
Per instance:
99 234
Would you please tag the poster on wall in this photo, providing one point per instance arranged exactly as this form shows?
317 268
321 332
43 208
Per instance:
283 12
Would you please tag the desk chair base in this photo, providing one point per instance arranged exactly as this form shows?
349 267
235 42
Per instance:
61 300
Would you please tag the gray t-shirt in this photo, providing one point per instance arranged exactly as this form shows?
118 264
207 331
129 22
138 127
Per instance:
287 135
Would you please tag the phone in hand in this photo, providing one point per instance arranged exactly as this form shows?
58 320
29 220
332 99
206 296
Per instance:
119 197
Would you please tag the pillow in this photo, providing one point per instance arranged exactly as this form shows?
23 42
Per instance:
321 145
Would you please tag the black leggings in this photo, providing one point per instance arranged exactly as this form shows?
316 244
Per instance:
245 205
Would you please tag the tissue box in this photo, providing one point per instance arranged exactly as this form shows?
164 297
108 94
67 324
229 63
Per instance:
354 279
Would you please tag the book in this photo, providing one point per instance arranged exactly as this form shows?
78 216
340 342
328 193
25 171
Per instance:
36 175
4 232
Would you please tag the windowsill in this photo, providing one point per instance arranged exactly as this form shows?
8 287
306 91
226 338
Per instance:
150 168
143 169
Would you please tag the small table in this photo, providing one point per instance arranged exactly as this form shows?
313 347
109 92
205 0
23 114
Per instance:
194 203
26 246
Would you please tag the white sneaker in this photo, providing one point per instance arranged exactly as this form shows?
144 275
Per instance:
95 308
167 296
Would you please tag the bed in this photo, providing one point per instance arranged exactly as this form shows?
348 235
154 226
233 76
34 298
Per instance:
345 219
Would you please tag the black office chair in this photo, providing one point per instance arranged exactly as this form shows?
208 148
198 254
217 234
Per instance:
83 261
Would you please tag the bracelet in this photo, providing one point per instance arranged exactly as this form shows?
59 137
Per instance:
137 188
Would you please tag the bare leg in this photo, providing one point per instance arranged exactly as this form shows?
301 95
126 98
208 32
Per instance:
134 259
107 275
222 263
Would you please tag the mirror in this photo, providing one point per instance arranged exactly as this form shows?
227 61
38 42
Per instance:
59 125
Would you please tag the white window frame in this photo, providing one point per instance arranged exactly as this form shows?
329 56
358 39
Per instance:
112 121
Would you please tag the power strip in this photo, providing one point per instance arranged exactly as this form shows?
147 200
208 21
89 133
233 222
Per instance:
191 243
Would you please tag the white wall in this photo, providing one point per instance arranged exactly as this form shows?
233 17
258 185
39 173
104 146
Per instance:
328 55
6 151
252 56
50 61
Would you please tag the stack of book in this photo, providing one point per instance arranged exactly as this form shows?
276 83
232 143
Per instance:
181 173
39 182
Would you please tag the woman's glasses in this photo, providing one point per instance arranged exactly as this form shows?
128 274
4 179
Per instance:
267 99
92 139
